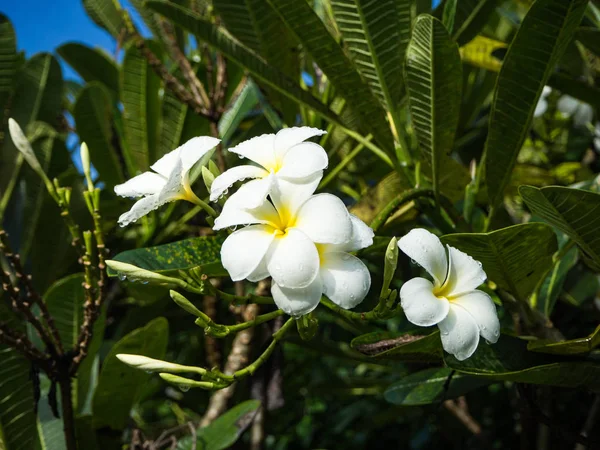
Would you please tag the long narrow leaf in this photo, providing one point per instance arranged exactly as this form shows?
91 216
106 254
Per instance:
8 59
92 64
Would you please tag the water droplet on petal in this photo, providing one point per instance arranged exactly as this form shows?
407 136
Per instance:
184 388
122 276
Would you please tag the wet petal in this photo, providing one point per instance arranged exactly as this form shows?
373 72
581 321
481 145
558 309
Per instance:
300 301
243 251
459 333
190 153
465 274
258 149
173 188
483 311
289 137
140 209
229 177
260 273
293 260
427 250
346 279
420 306
289 195
303 160
147 183
234 215
253 193
362 235
325 219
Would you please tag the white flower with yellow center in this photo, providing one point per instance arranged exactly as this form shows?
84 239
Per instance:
299 240
170 180
281 156
452 301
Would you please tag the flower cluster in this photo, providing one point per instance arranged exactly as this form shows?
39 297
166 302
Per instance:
302 241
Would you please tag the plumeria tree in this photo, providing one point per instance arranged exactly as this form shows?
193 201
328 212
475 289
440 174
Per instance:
338 224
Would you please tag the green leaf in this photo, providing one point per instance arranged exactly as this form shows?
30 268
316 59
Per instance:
244 56
570 347
590 37
509 360
329 56
8 59
515 258
470 18
540 41
107 14
119 385
431 386
93 113
242 105
182 255
572 211
225 430
17 419
449 15
140 87
376 33
92 64
434 84
404 347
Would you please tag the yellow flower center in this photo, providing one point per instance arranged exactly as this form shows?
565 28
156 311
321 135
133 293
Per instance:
283 221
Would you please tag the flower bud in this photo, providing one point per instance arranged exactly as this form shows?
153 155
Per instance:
134 273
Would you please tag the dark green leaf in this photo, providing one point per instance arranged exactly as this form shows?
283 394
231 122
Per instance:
573 211
515 258
509 360
449 15
93 114
539 43
570 347
92 64
224 431
590 37
434 84
8 59
201 251
242 105
107 14
119 385
431 386
405 347
471 16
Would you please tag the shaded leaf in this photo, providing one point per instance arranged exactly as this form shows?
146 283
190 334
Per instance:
540 41
119 385
470 18
8 59
405 347
107 14
515 258
570 347
92 64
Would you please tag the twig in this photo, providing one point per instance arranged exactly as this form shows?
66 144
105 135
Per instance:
590 422
460 410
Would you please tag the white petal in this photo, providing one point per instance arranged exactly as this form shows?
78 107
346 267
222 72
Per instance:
465 274
290 195
325 219
173 188
253 193
190 153
303 160
147 183
289 137
420 306
482 309
293 260
243 251
227 178
140 209
232 215
427 250
297 302
260 273
567 104
541 107
258 149
583 115
362 235
459 333
346 279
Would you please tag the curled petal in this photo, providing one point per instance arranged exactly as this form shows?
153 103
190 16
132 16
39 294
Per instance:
459 333
427 250
140 209
362 235
288 195
465 273
232 215
189 153
147 183
325 219
253 193
483 311
243 251
346 279
227 178
258 149
293 260
260 273
420 306
173 188
300 301
289 137
303 160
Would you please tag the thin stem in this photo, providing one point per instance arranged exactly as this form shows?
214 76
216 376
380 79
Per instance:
239 299
256 321
66 400
193 198
367 143
371 315
405 197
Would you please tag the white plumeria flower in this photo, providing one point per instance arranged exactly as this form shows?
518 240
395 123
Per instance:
169 181
581 112
452 301
284 240
284 156
342 277
542 104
